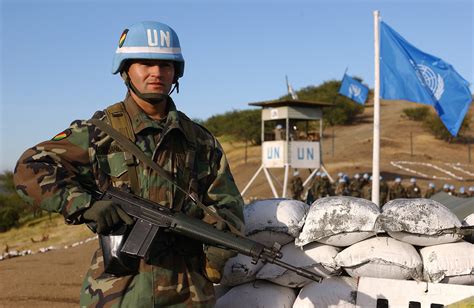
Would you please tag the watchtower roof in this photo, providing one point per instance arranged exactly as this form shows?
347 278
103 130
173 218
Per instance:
291 103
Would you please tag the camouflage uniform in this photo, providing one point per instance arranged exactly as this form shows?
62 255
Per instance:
59 174
413 191
315 188
342 189
296 185
355 188
430 192
397 191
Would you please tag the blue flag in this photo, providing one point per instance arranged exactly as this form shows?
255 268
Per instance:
353 89
407 73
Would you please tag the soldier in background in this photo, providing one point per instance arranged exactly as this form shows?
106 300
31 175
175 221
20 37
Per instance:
313 192
365 186
296 186
430 191
342 189
446 188
462 193
325 189
397 190
471 191
452 191
413 191
355 186
63 173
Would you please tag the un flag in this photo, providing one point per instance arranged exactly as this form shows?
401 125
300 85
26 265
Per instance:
353 89
408 73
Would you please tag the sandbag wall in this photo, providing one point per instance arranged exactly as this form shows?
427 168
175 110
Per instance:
342 238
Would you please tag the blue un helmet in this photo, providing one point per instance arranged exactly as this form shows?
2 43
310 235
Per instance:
148 40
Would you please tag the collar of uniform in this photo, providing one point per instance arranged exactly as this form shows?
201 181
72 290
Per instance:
140 120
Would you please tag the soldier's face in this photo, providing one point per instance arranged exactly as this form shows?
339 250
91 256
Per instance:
152 76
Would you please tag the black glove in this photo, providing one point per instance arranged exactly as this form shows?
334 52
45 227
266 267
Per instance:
106 215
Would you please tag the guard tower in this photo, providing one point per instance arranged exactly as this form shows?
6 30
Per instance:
291 138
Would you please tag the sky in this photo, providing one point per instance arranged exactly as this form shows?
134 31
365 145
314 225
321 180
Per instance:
56 55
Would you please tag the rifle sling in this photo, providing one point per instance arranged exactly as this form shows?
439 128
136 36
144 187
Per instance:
132 148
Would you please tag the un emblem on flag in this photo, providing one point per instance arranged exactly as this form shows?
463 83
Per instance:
354 90
432 80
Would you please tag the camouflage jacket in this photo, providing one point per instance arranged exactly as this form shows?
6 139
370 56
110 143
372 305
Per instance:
413 191
397 191
296 185
59 174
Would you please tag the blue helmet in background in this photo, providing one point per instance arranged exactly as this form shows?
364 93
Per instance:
149 40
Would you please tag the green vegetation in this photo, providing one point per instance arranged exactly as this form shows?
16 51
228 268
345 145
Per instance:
417 114
432 122
437 128
13 210
241 125
344 111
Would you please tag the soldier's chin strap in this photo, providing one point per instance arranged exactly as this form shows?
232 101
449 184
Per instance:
152 98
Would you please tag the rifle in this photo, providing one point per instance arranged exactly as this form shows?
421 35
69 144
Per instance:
151 216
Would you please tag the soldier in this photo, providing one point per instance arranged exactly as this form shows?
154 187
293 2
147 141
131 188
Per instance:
462 193
366 187
342 189
60 175
355 186
471 191
446 188
452 190
430 191
397 190
315 188
413 191
325 189
296 185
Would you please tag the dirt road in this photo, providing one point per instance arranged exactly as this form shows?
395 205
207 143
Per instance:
51 279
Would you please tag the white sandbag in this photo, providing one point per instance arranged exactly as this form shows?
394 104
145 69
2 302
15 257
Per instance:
381 257
315 257
239 269
280 215
268 238
261 294
419 221
450 263
469 221
339 221
332 292
220 290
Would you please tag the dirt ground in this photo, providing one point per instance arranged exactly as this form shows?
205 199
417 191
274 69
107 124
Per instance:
51 279
54 279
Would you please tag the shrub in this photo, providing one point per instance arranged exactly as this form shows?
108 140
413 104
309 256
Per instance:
434 124
417 114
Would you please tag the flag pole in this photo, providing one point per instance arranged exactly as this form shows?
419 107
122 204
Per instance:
376 138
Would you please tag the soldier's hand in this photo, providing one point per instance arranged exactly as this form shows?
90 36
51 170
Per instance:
106 215
216 258
215 261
